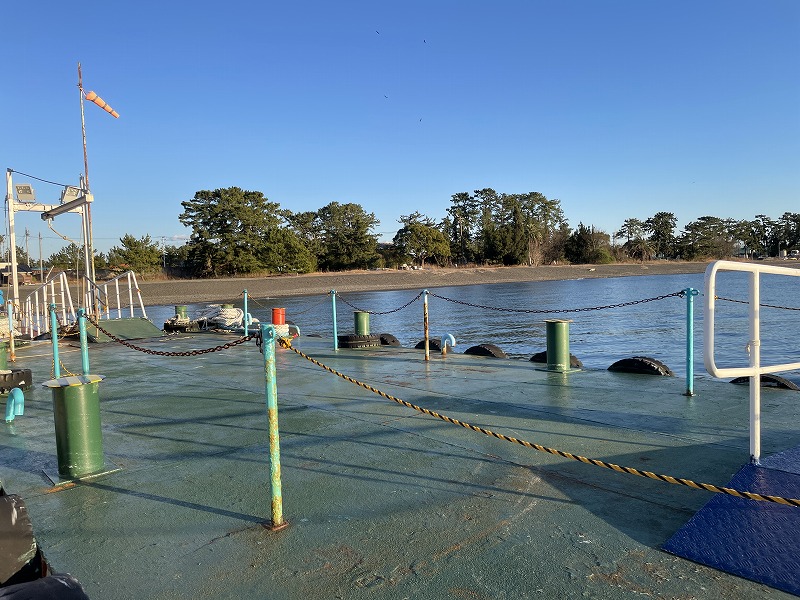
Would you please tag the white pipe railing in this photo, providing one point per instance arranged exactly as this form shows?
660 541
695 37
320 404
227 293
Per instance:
755 369
34 316
114 302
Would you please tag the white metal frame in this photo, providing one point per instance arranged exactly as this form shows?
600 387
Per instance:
755 368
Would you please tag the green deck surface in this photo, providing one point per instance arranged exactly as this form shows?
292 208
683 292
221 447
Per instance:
382 501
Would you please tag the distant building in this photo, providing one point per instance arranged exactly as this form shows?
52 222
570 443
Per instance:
25 274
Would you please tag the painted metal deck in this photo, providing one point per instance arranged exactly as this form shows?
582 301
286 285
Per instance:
382 501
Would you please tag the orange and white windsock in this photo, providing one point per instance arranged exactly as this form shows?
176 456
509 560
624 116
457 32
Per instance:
92 97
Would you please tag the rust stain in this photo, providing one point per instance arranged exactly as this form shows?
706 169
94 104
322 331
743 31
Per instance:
471 540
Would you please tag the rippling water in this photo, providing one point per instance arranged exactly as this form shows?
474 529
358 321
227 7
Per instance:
656 329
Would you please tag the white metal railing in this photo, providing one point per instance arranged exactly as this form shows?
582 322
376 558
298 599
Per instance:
34 313
755 369
121 298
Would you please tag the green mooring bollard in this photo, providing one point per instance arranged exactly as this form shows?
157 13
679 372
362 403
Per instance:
557 345
361 322
76 413
79 440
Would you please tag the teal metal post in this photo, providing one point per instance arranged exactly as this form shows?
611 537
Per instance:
690 294
83 340
54 338
245 318
335 334
425 324
268 336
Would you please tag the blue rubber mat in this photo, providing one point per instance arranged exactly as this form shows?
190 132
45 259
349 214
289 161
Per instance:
754 540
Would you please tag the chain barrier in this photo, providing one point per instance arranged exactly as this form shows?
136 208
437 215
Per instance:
385 312
589 461
225 346
558 311
748 302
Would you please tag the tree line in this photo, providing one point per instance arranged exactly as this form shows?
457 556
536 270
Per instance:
238 232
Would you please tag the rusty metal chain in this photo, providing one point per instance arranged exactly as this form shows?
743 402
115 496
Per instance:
556 311
385 312
762 304
225 346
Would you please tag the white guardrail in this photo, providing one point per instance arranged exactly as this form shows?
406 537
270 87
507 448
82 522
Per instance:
755 369
109 300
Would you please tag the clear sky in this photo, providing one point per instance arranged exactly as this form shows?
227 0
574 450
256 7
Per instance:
618 108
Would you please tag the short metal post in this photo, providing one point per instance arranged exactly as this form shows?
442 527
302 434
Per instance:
557 345
83 340
425 324
245 320
690 294
54 339
335 334
268 337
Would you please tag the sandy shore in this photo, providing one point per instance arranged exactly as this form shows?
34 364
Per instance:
186 291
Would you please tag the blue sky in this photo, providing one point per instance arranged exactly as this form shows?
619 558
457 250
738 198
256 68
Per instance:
618 108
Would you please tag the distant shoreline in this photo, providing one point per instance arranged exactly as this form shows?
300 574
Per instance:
186 291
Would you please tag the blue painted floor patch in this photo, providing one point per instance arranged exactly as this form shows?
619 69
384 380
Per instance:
754 540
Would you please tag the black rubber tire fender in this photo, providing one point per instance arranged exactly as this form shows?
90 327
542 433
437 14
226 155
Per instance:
486 350
359 341
641 365
770 380
433 345
387 339
541 357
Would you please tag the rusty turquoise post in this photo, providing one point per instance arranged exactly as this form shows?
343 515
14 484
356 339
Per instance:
690 294
268 337
335 334
557 345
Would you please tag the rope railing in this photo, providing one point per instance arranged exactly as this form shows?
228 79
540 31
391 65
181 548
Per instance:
590 461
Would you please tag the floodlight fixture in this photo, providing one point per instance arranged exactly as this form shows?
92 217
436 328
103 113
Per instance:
25 192
69 193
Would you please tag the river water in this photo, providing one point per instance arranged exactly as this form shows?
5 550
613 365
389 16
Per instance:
655 328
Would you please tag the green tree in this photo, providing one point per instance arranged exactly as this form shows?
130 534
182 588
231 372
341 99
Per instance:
465 215
708 237
346 239
588 245
543 220
67 258
285 252
139 255
308 227
420 239
661 227
229 227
